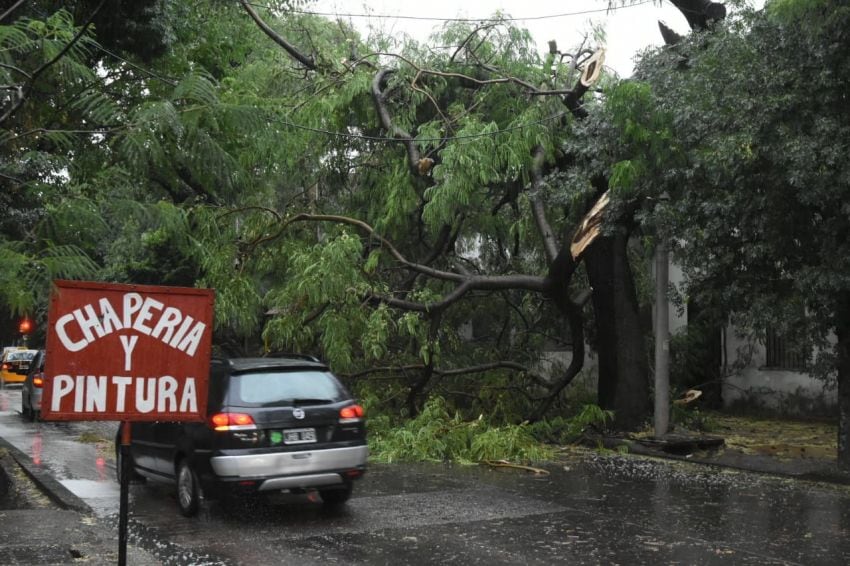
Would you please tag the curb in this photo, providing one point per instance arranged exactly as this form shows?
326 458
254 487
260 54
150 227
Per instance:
58 493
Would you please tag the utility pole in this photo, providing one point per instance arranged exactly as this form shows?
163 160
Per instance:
662 341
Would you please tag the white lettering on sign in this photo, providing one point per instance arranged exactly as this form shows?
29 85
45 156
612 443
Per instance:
121 382
62 385
96 394
164 394
84 325
129 342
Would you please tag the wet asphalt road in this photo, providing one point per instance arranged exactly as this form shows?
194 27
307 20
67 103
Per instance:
589 510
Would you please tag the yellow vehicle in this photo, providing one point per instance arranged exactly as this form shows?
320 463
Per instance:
14 365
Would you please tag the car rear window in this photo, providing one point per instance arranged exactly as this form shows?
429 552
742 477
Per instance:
283 388
20 356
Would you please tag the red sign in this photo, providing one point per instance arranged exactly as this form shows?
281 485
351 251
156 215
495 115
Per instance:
127 352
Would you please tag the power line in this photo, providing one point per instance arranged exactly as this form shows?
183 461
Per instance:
172 82
329 133
436 19
386 139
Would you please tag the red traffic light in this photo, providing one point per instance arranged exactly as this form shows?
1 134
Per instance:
25 326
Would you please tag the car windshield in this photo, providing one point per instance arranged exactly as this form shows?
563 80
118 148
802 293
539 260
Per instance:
271 388
21 356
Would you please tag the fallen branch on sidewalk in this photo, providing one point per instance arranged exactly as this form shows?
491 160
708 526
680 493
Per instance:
506 464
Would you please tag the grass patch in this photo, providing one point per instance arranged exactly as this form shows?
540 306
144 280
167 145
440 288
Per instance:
89 437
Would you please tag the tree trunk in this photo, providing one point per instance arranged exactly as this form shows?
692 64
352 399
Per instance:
623 367
842 333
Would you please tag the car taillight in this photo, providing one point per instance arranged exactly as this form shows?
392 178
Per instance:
232 421
7 367
38 380
351 414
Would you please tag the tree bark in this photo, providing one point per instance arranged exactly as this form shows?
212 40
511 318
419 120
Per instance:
623 368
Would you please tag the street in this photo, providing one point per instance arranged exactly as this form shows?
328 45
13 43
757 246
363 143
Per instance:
590 509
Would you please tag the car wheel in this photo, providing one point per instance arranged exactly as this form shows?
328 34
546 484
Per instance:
188 489
26 412
335 497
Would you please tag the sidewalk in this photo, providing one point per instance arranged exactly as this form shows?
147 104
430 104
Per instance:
802 450
47 524
800 468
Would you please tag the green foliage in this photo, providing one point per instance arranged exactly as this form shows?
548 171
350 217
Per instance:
186 162
568 430
26 276
328 277
793 11
484 158
436 435
439 434
374 339
645 137
757 205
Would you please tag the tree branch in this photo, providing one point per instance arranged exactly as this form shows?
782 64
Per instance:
308 62
471 283
31 81
472 80
700 13
16 69
480 368
549 243
496 365
439 247
14 7
465 283
378 84
273 212
576 322
382 369
573 100
469 37
11 178
185 175
428 371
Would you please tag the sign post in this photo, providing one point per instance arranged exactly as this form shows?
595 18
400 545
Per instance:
124 496
127 353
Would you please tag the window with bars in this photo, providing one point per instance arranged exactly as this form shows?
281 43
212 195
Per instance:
784 353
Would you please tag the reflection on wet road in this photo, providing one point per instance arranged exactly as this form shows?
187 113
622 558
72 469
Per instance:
590 510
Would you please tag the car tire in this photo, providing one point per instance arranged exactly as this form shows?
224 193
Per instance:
26 412
188 489
336 497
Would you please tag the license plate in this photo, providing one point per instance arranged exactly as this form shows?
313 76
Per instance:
299 436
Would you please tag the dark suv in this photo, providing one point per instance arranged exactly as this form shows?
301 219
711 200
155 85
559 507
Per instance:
273 424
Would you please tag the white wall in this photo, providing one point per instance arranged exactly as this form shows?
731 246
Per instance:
758 387
776 390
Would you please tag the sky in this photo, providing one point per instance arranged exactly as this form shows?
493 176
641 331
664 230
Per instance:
628 29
